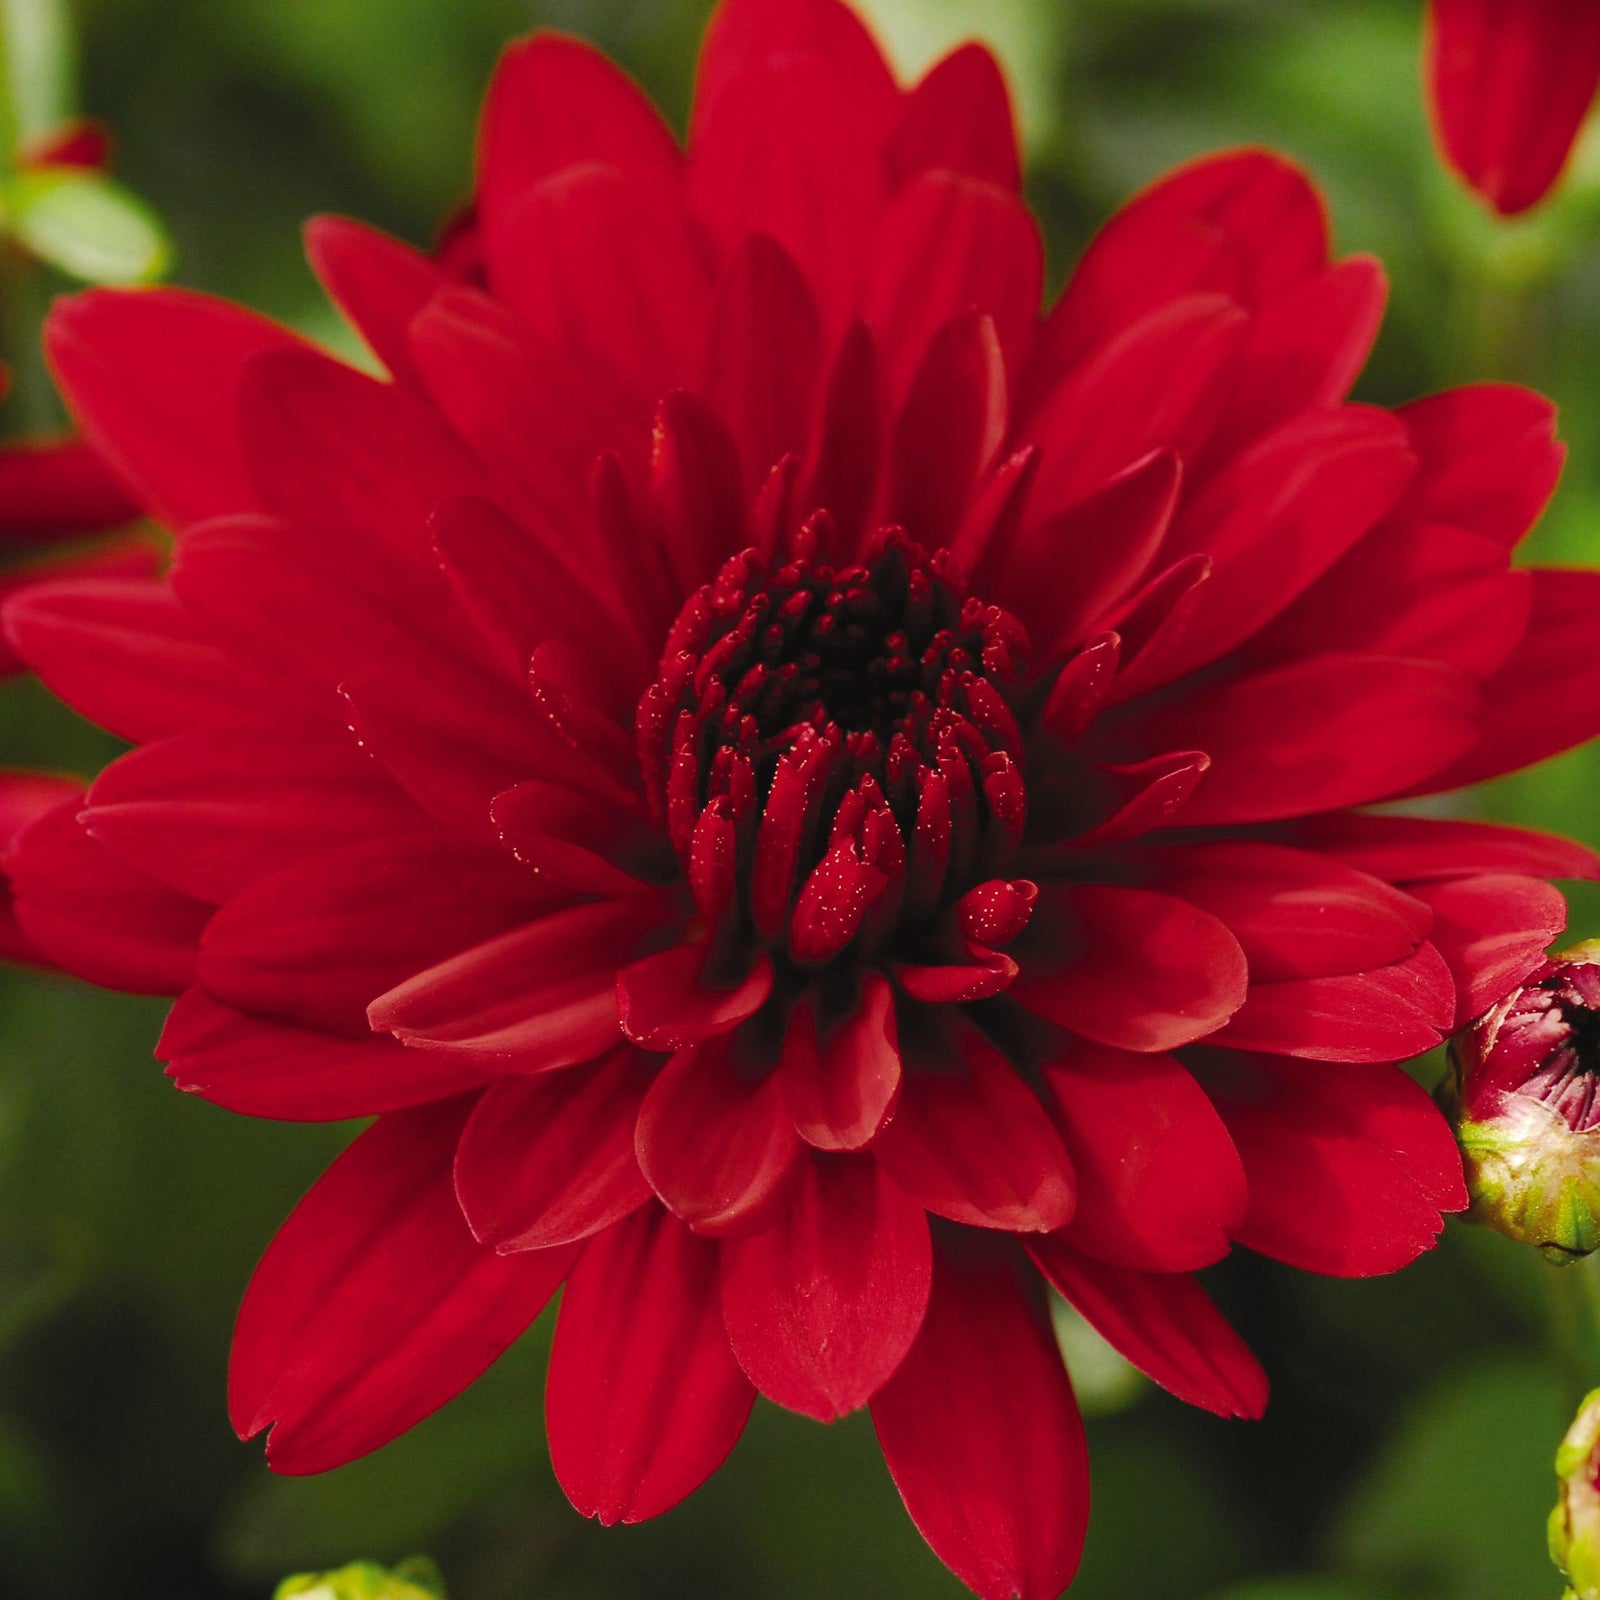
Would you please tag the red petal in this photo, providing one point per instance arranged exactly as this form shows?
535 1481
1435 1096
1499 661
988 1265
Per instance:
374 1304
97 918
1335 730
1547 697
958 119
451 754
696 482
716 1141
125 654
266 1069
1153 387
1427 591
314 943
24 798
503 573
982 1435
840 1092
1159 1182
540 996
379 283
329 446
211 812
555 101
548 1160
1510 82
1489 459
1109 540
746 36
821 1308
946 246
667 1002
644 1399
842 472
607 268
1277 516
953 422
1348 1166
763 355
1415 849
1165 1324
51 489
972 1143
1384 1015
1247 223
1492 930
789 97
1127 967
153 377
1306 347
531 412
1297 914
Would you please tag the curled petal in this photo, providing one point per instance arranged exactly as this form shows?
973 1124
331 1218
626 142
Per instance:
822 1307
841 1087
1159 1182
1128 967
971 1141
666 1001
716 1140
548 1160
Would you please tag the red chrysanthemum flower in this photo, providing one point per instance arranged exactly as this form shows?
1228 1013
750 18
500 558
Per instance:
1509 85
810 801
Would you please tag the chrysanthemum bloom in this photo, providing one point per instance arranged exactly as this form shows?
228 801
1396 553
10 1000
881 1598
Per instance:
1524 1094
811 801
1509 85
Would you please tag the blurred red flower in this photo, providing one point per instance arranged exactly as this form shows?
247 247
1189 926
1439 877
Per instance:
53 490
848 812
1510 83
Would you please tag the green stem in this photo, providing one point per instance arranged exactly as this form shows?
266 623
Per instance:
30 404
1573 1293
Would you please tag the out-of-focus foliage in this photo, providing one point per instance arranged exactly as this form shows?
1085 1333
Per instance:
1406 1453
414 1579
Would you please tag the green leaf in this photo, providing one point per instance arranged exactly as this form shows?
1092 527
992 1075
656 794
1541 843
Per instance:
414 1579
87 225
1464 1489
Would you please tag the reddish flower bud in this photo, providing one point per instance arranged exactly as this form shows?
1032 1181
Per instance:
1522 1094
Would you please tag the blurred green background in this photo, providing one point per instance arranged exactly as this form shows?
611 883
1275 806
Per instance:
1406 1455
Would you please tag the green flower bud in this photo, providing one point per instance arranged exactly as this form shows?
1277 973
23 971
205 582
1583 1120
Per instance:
414 1579
1523 1093
1575 1522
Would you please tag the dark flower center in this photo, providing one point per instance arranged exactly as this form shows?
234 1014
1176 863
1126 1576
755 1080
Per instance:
808 713
1557 1022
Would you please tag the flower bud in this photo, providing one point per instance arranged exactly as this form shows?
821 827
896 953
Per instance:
1523 1094
414 1579
1575 1522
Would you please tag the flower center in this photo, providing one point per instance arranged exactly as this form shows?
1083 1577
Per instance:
842 731
1557 1023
